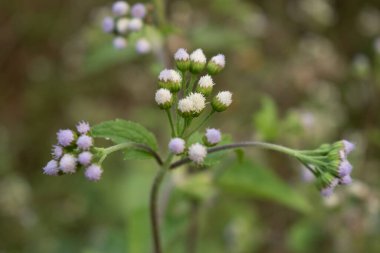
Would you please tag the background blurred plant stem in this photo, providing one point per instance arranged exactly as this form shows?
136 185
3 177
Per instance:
154 215
192 230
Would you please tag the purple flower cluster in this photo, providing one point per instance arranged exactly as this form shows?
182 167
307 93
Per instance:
72 152
124 21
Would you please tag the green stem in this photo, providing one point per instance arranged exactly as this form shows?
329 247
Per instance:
169 113
204 121
160 10
154 215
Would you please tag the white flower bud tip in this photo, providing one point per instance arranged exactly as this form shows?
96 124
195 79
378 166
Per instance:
119 43
108 24
177 146
206 81
65 137
138 10
185 106
163 96
181 55
198 101
51 168
167 75
135 24
198 56
225 98
143 46
85 158
197 153
93 172
213 136
84 142
122 25
219 60
120 8
68 163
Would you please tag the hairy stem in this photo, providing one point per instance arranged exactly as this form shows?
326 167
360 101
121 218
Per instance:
285 150
169 113
154 215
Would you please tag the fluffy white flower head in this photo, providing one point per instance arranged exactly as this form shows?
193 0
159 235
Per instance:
138 10
163 96
198 56
213 136
120 8
51 168
135 24
119 42
198 101
122 25
143 46
181 55
185 105
177 145
68 163
206 81
93 172
225 97
219 59
197 153
169 75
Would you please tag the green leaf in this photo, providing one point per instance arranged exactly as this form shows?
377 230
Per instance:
266 120
252 180
121 131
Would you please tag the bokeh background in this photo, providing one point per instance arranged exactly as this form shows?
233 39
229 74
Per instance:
303 72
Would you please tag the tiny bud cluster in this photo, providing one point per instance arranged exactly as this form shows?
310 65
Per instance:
72 152
124 21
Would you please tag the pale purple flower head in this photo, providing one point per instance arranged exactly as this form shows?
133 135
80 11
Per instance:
120 8
348 146
108 24
65 137
143 46
84 142
119 43
345 168
57 152
68 163
51 168
93 172
83 127
135 24
85 158
138 10
346 180
213 136
177 146
307 175
329 190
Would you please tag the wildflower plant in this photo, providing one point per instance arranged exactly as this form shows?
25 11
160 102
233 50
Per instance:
189 97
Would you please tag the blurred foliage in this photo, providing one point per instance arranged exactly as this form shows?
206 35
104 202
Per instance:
303 72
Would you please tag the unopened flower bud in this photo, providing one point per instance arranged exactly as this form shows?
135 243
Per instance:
57 152
348 146
222 101
135 24
51 168
182 59
143 46
138 10
84 142
327 183
68 163
108 24
170 79
177 146
212 137
185 107
119 43
83 127
345 180
197 61
93 172
120 8
164 98
216 64
197 153
85 158
122 25
65 137
205 85
199 103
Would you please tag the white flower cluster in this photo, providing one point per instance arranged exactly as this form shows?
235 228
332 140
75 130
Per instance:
124 21
72 152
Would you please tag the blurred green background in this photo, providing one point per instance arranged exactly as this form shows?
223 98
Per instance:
303 72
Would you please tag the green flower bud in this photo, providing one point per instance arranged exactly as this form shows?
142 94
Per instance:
197 61
205 85
216 64
222 101
182 59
